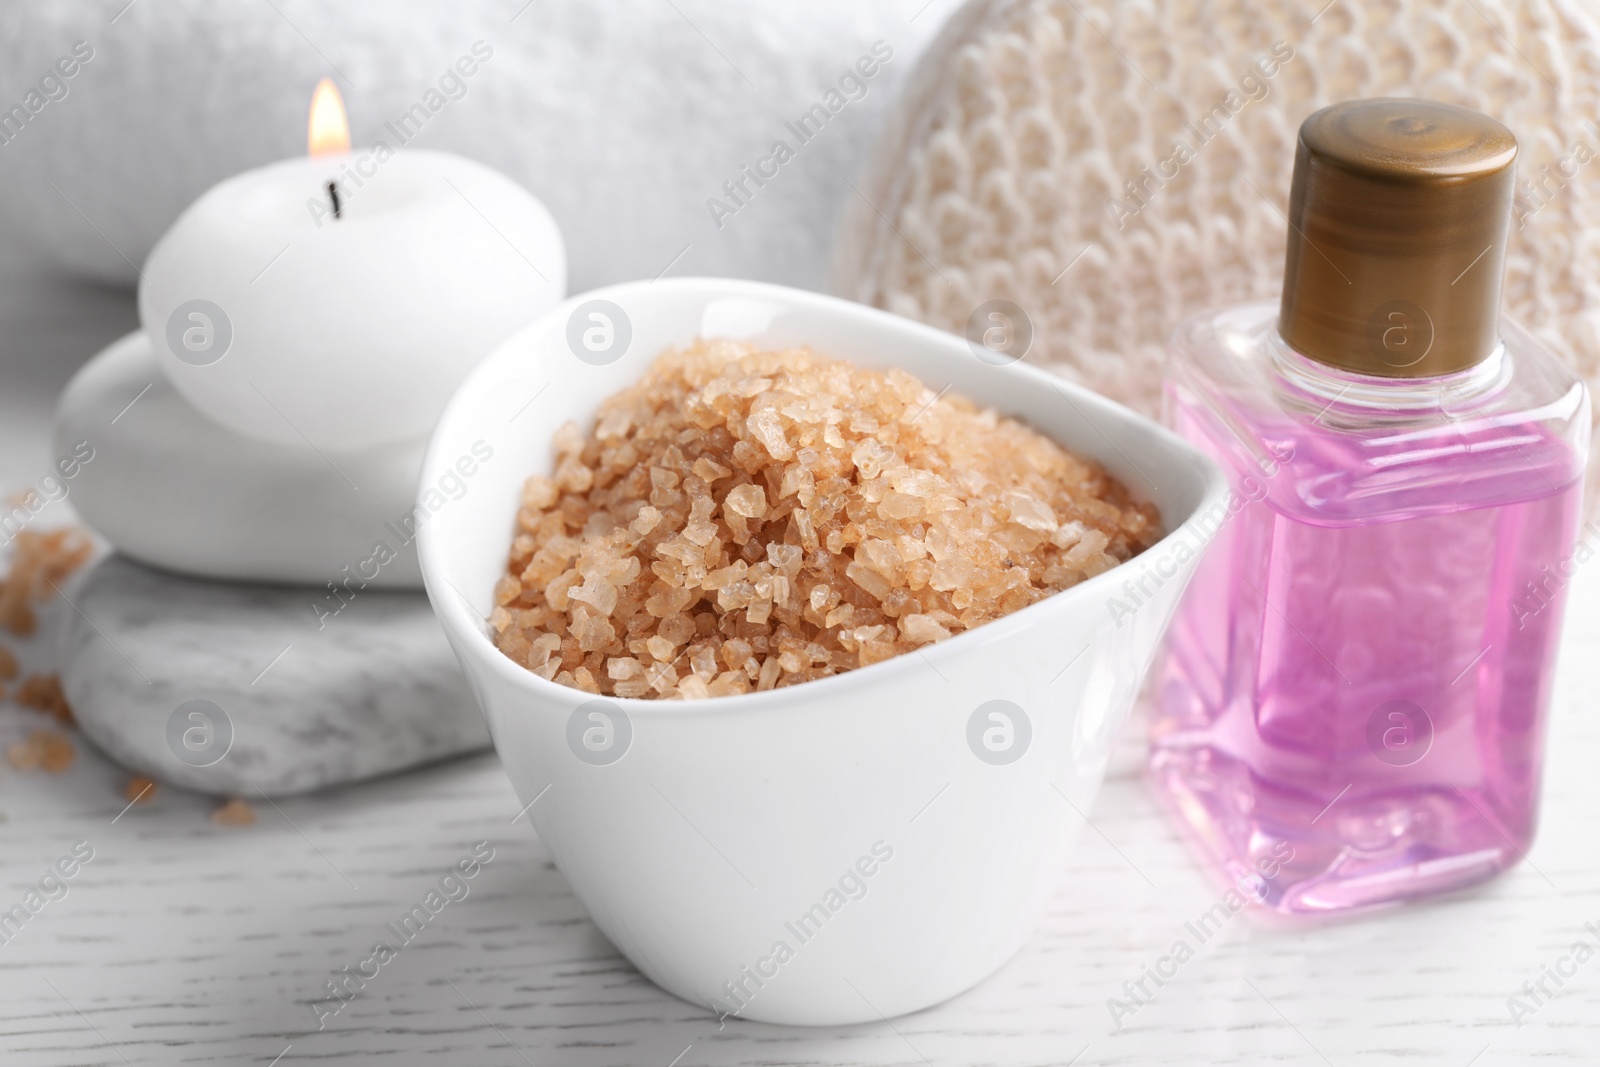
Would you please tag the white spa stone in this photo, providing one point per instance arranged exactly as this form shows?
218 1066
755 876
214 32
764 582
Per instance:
375 689
168 486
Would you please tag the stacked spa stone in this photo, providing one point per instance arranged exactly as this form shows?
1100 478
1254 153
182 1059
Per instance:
262 627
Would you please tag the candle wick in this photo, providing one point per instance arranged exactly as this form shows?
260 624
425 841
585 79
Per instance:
333 194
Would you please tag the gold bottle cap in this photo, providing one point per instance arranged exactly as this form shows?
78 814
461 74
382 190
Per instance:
1398 218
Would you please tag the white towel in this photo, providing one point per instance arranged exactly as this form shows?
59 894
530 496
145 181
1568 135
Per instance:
625 118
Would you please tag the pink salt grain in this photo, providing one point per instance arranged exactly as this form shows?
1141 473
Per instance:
743 519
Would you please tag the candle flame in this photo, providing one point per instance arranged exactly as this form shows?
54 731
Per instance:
328 130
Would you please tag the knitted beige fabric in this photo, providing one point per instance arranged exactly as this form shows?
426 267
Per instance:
1035 157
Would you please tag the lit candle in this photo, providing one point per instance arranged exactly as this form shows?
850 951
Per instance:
336 301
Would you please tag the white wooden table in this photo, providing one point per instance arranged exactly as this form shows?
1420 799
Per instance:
185 942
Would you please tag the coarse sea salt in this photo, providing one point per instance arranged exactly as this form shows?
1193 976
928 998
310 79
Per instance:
742 519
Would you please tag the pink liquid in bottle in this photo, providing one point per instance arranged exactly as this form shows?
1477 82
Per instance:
1360 669
1351 707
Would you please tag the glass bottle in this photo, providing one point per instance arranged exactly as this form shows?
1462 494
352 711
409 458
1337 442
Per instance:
1351 707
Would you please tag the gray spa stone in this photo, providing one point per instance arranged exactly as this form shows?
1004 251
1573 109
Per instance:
241 690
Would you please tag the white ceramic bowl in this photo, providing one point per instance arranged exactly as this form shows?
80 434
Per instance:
837 851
